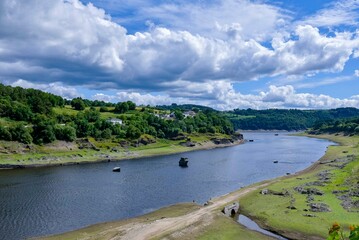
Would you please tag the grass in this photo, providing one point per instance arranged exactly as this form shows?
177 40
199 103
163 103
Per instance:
271 210
66 110
224 228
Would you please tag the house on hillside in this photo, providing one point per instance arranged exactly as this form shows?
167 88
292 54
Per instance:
189 114
115 121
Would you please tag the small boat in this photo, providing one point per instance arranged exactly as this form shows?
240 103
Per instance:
116 169
183 162
276 134
251 140
275 161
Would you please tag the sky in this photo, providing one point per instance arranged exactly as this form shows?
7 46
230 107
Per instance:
224 54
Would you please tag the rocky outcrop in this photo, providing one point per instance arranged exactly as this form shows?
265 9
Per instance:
272 192
218 141
84 143
312 191
188 144
319 207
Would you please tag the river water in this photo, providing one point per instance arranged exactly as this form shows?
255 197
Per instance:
43 201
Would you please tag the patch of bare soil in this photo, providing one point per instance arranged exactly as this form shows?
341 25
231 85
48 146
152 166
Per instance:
62 146
174 227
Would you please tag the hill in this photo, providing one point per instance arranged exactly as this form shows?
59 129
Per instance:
29 115
282 119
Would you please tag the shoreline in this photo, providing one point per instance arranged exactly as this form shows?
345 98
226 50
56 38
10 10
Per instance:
321 165
125 155
213 208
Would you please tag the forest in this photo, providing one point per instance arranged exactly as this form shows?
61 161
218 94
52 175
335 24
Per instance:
33 116
345 126
283 119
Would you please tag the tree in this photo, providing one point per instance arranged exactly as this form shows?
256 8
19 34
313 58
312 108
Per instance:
21 134
5 134
78 104
178 114
83 128
121 107
131 105
133 132
66 133
43 130
106 134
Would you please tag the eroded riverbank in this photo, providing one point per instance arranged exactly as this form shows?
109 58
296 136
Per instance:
86 156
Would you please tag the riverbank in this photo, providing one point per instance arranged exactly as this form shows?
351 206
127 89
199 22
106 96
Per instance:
61 153
269 210
305 205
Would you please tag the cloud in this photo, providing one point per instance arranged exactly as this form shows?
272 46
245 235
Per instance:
79 45
256 20
54 88
59 40
323 82
343 12
71 44
222 96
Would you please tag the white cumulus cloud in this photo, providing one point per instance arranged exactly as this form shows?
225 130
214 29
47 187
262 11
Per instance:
68 43
77 44
223 96
54 88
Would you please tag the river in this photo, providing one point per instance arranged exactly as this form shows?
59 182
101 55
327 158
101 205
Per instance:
43 201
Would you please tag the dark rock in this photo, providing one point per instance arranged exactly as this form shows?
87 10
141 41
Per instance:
315 183
313 191
272 192
180 136
218 141
188 144
319 207
354 193
114 150
309 215
237 136
310 198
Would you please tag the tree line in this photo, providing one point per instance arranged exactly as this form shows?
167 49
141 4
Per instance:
282 119
344 126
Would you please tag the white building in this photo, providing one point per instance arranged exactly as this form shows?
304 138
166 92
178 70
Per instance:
115 121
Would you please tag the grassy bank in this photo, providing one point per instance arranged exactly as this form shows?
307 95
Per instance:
333 181
62 153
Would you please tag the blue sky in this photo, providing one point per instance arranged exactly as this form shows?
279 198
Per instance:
224 54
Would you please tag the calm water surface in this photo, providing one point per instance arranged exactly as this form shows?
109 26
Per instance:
43 201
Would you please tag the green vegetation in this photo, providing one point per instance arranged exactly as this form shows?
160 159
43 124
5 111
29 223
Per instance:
32 116
223 228
344 126
336 233
281 119
286 207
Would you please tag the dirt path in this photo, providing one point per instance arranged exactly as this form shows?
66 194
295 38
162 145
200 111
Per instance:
177 225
